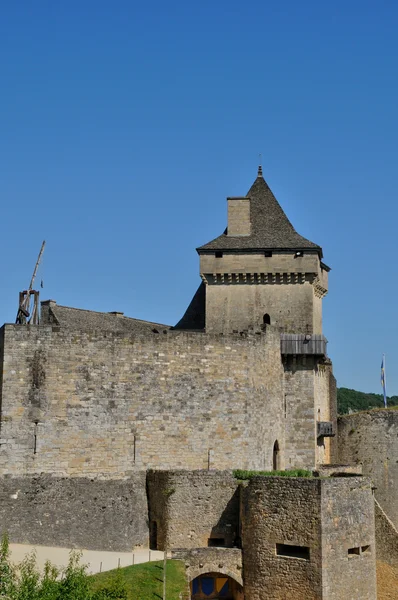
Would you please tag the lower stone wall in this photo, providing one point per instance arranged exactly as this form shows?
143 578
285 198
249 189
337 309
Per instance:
282 511
193 509
75 512
386 537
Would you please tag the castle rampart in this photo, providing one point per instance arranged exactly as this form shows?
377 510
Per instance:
103 404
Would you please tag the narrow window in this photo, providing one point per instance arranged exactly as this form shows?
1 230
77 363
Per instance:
275 457
216 542
266 319
268 253
218 254
291 551
35 438
353 552
365 549
153 535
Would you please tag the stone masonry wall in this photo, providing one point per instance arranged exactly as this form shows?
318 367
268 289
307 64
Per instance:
325 410
100 404
292 306
347 513
192 507
307 539
75 512
281 511
299 413
386 537
371 438
239 307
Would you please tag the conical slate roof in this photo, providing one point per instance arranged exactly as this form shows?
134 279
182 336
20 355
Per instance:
270 227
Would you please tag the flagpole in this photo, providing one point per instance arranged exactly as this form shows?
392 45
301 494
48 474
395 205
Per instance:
385 382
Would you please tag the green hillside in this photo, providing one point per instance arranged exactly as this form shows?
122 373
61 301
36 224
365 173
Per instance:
143 581
353 401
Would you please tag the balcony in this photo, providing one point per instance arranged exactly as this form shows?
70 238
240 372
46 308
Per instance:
325 429
292 343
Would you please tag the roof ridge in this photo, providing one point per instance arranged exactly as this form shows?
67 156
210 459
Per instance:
108 314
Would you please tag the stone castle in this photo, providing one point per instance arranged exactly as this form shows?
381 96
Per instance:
118 433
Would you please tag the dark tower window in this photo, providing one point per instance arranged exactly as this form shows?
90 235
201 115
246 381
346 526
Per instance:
218 254
275 457
153 535
266 319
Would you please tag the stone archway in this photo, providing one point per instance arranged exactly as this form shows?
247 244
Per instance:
215 586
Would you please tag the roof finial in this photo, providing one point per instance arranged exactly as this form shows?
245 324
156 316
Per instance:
260 166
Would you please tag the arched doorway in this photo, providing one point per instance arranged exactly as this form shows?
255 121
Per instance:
215 586
275 457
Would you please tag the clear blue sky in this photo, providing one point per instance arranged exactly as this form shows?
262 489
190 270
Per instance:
124 125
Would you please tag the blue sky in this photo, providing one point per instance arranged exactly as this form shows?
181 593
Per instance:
125 125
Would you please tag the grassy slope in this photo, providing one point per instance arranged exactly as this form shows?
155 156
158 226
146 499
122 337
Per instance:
145 581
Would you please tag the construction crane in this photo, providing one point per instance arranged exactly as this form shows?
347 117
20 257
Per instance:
26 315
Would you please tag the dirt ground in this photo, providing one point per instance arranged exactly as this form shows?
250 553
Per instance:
387 582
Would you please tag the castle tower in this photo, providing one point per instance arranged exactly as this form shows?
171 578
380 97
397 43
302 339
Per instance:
261 271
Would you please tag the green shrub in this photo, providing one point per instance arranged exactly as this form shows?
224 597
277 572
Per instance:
247 475
74 584
8 587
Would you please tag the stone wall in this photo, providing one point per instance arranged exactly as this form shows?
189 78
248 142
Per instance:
348 539
240 307
193 509
309 396
326 410
75 512
287 295
281 511
386 537
371 438
101 404
299 413
301 537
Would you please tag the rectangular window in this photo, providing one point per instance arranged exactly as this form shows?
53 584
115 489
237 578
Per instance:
218 254
290 551
267 253
216 542
354 551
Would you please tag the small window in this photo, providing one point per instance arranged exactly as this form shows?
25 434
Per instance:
290 551
268 253
365 549
266 319
298 254
218 254
275 457
354 552
216 542
153 535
